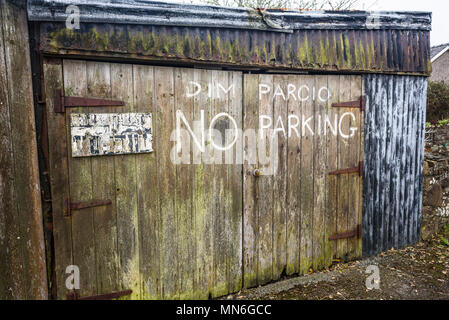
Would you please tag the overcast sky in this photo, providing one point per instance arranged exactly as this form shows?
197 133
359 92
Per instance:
439 8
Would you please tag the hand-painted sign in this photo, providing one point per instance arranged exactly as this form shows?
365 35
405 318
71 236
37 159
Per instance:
100 134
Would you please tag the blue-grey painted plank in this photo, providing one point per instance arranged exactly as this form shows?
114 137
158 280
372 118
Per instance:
394 155
197 15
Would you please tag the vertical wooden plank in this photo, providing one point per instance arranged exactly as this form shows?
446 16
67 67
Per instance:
413 154
184 184
126 192
388 158
408 114
353 161
403 165
23 230
148 188
103 188
420 148
359 243
332 165
279 213
370 167
203 192
164 93
343 163
80 179
265 186
12 284
235 182
320 175
220 181
59 176
307 183
250 209
398 101
293 210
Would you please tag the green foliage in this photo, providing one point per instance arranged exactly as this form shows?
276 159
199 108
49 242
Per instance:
437 102
443 122
444 242
293 4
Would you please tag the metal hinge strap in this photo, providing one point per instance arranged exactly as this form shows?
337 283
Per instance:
357 232
61 102
357 104
70 206
358 169
107 296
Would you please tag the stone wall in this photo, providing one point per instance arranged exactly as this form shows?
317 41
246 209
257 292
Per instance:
436 181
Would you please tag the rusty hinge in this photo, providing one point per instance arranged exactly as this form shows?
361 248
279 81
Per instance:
73 295
358 104
70 206
61 102
357 232
358 169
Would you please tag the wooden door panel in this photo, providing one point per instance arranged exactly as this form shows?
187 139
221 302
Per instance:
172 230
314 139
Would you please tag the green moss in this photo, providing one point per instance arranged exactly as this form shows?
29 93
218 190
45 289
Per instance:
362 54
348 52
324 53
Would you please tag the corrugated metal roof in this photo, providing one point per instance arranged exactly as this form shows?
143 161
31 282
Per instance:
174 14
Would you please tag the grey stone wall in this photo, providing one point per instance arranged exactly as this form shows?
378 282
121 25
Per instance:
436 182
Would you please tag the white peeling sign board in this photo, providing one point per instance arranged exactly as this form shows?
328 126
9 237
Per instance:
102 134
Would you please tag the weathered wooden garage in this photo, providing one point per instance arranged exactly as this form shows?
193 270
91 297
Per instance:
325 115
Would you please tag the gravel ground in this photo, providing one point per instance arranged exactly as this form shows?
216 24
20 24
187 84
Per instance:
420 272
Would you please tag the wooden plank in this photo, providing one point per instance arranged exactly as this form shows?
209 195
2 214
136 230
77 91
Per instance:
383 125
126 192
332 165
293 210
412 154
59 176
12 284
235 185
353 161
279 215
398 99
148 188
80 181
103 187
25 249
420 148
184 189
265 187
221 200
343 163
380 142
389 210
203 194
164 93
359 245
405 165
250 205
320 176
307 183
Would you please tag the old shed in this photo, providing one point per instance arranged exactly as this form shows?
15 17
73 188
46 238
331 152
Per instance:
190 151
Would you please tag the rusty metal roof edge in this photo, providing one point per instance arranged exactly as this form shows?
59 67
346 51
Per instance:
190 15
